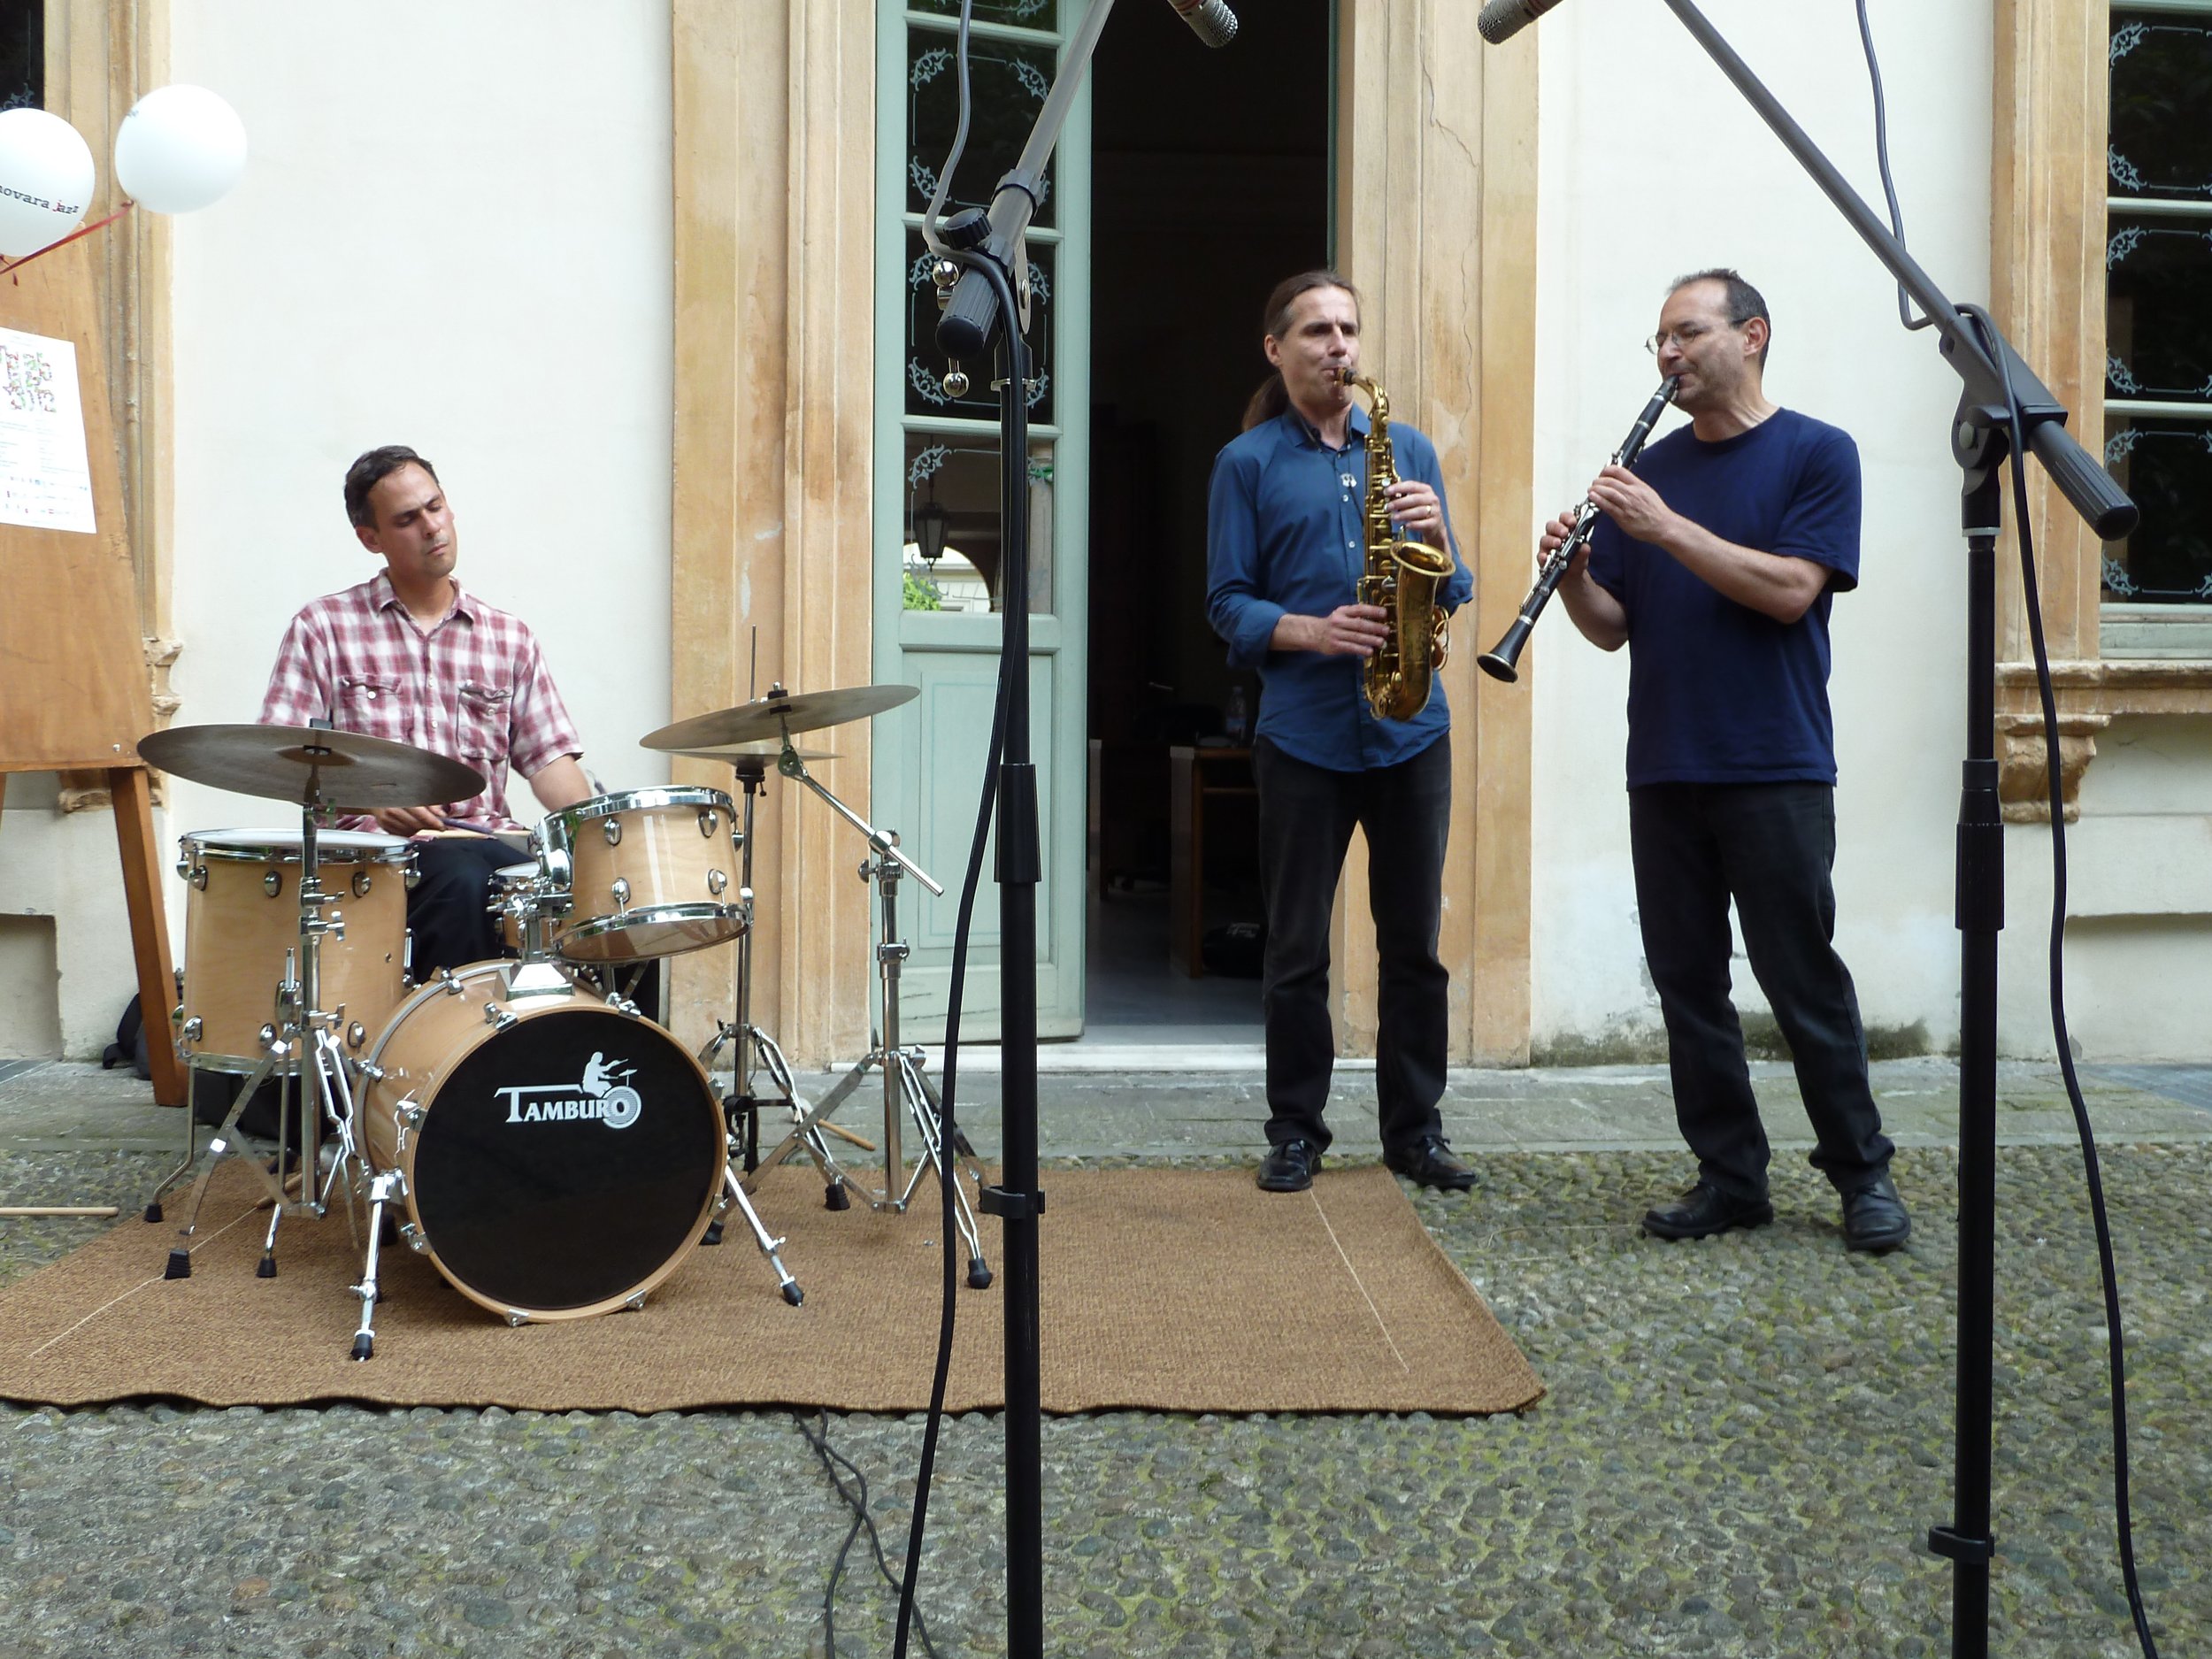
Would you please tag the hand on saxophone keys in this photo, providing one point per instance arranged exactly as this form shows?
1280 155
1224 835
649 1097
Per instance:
1348 631
1415 509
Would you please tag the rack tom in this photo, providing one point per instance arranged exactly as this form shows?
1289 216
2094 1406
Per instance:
652 873
243 913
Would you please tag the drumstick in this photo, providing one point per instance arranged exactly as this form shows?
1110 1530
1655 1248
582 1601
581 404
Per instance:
843 1134
58 1210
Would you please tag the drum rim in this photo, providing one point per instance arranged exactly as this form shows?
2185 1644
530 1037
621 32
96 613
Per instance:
622 921
338 846
634 800
435 987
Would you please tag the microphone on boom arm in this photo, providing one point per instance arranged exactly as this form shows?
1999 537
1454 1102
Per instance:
1502 18
1212 21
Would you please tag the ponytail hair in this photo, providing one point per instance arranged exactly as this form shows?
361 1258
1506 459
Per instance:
1271 398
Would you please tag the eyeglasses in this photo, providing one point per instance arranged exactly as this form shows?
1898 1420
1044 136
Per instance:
1687 335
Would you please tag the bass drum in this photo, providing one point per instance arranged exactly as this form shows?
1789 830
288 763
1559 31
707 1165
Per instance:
558 1158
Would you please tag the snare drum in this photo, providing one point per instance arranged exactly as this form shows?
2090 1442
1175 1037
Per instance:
558 1158
652 873
243 913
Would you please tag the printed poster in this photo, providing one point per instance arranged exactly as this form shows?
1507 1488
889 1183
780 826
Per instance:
45 476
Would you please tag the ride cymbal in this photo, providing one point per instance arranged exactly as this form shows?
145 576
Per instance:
768 718
352 772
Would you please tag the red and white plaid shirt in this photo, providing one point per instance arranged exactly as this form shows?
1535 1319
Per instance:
475 688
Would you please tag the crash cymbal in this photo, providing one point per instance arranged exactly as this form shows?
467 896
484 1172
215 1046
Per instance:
738 754
354 774
768 718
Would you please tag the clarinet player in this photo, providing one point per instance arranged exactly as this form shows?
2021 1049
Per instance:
1286 539
1715 563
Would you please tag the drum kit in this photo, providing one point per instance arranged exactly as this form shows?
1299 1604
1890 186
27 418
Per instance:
555 1153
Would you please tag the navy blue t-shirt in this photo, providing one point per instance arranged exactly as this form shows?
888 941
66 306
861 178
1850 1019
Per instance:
1718 693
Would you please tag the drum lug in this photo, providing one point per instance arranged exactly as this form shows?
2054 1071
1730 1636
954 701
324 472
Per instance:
198 878
636 1303
268 1036
621 890
516 1318
272 884
411 1235
709 821
194 1029
716 882
497 1017
452 986
360 884
612 829
356 1034
409 1112
623 1006
371 1072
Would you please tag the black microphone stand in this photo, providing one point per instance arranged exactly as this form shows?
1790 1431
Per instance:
982 309
1981 438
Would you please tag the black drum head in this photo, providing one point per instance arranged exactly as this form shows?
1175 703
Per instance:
566 1160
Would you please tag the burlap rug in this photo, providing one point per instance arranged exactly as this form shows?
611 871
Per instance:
1176 1290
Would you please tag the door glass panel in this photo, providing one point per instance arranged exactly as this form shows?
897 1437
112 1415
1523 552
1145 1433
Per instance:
2166 467
1029 14
2162 83
925 392
1007 85
957 477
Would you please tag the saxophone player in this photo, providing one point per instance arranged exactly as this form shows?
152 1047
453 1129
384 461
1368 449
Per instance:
1715 563
1286 551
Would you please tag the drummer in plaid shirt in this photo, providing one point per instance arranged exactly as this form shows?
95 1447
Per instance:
409 656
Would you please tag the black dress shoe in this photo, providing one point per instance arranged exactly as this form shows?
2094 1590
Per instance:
1430 1163
1704 1210
1874 1217
1289 1167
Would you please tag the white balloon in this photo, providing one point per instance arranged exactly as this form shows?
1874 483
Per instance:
45 180
180 148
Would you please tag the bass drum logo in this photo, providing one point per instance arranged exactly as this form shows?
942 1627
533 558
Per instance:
602 1094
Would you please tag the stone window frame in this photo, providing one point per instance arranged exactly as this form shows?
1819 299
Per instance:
2050 113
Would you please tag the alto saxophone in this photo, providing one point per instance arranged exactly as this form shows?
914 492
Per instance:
1400 575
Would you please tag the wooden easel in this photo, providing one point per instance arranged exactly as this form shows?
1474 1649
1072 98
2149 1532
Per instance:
73 690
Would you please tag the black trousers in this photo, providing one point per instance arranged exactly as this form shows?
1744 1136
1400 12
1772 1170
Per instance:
1772 846
448 914
1307 815
448 910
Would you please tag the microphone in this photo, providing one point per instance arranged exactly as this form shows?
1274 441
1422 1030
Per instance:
1502 20
1212 21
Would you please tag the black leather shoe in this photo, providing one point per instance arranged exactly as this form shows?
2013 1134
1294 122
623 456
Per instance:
1431 1164
1289 1167
1874 1217
1704 1210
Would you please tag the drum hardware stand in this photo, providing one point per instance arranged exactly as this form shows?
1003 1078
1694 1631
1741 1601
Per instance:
904 1082
302 1043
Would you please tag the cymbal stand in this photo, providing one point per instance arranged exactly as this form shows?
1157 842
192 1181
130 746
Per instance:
905 1085
301 1043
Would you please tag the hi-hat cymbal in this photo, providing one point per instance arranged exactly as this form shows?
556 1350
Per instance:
738 754
355 773
768 718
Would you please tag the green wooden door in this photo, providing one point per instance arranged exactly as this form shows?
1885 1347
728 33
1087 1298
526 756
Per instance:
937 626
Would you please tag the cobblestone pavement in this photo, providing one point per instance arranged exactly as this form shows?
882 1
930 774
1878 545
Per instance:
1744 1443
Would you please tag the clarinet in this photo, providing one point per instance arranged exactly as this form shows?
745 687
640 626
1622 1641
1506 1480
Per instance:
1499 661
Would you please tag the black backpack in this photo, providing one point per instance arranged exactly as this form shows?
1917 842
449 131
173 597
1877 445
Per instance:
130 1047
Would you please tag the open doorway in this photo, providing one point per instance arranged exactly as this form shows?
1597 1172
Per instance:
1209 184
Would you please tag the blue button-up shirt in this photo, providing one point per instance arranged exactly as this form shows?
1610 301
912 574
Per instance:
1285 535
